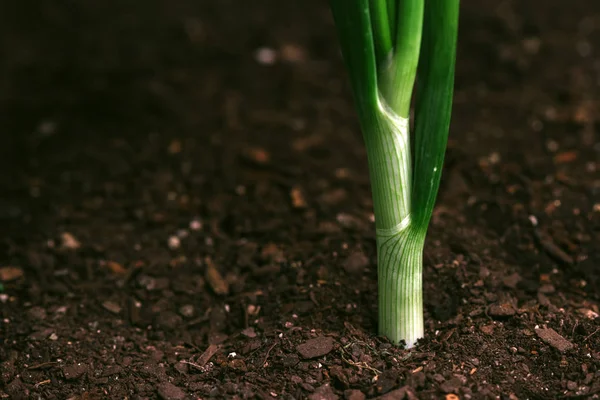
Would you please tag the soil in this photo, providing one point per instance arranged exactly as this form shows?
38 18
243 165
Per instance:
185 208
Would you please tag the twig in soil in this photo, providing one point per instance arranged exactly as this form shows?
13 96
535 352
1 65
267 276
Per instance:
37 385
207 355
551 248
43 365
201 368
264 363
360 364
591 334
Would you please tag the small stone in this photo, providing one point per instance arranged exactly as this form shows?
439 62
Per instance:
552 338
214 278
249 332
451 385
8 274
271 252
74 371
356 263
571 385
290 360
349 221
586 312
512 280
116 268
543 300
182 367
168 320
292 53
265 56
333 197
398 394
353 394
257 155
487 329
195 224
69 241
316 347
37 313
323 393
174 242
298 199
111 306
503 310
187 311
17 390
168 391
547 288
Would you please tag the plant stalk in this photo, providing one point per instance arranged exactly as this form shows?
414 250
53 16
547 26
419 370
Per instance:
400 266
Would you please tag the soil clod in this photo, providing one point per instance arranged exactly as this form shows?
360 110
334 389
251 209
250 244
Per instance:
551 337
316 347
168 391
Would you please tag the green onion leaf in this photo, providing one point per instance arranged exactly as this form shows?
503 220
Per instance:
386 45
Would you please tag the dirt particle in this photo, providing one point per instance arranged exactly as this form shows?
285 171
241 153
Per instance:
257 155
249 332
69 241
215 279
502 310
271 252
290 360
487 329
116 268
353 394
511 281
349 221
323 393
316 347
333 197
552 338
451 385
8 274
356 263
187 311
111 306
298 199
37 313
292 53
565 157
168 320
168 391
74 371
398 394
547 289
17 390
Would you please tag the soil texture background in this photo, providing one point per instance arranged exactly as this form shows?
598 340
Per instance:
185 209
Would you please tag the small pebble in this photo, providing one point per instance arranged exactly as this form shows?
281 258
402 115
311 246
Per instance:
552 338
111 306
356 263
502 310
265 56
316 347
168 391
174 242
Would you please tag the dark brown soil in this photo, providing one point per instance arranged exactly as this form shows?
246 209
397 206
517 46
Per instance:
179 220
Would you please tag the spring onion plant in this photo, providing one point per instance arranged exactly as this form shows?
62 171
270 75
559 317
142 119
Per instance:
389 48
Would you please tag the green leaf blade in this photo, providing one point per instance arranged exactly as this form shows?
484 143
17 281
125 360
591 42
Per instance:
353 23
435 88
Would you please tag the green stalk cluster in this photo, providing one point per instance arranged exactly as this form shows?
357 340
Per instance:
389 46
